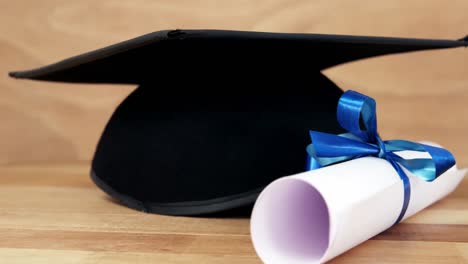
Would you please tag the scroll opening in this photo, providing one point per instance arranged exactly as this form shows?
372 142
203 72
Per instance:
291 223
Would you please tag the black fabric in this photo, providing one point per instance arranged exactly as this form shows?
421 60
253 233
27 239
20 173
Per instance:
176 148
176 53
217 115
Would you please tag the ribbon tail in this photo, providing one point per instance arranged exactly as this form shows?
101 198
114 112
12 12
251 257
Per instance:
406 190
314 162
327 149
428 169
331 146
442 158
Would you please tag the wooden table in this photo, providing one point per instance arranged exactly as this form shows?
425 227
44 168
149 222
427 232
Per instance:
55 214
50 212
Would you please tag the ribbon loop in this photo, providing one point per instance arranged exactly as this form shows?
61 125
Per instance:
355 109
357 114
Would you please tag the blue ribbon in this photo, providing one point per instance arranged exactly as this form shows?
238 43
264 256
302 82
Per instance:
357 114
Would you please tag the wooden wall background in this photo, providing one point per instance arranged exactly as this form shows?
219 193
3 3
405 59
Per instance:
422 95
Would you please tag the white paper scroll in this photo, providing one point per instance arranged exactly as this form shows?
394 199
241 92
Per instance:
314 216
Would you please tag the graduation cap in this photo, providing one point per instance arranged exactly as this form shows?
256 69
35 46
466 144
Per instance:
218 114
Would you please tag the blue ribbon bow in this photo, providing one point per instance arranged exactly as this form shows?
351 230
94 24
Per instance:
357 114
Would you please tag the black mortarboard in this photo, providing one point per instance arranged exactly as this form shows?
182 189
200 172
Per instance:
218 114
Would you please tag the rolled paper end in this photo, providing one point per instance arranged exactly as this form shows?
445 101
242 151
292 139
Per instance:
315 216
291 223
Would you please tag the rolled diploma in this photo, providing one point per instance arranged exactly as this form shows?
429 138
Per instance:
315 216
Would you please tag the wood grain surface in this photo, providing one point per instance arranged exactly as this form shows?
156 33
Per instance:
55 214
50 212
